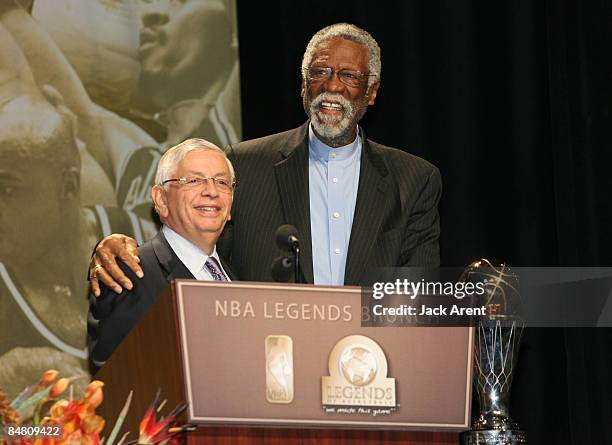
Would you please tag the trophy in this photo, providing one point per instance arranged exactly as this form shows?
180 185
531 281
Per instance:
497 339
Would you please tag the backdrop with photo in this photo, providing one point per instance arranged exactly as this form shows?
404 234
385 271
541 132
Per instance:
91 94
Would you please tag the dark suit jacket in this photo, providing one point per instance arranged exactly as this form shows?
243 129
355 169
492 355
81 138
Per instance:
112 316
396 219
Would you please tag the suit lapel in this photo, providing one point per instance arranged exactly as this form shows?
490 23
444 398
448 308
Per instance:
292 182
228 271
170 263
369 212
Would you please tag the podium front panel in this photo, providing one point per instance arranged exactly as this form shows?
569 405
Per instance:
296 355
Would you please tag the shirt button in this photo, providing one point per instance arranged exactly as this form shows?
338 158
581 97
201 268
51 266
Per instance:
336 215
337 251
334 179
333 154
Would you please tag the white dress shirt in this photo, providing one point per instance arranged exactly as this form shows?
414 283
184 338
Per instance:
191 255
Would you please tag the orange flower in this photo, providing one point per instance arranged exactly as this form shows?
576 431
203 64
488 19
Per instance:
47 378
80 423
93 393
78 420
8 414
151 431
19 441
59 387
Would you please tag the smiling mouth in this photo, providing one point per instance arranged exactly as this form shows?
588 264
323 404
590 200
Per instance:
210 210
331 107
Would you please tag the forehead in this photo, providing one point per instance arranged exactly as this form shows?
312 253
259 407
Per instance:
16 153
204 161
342 53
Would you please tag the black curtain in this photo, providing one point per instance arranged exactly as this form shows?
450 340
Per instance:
511 100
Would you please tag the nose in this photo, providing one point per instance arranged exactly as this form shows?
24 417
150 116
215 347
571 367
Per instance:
210 189
155 14
334 84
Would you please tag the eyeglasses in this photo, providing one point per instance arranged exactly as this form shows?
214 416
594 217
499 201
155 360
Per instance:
351 78
195 182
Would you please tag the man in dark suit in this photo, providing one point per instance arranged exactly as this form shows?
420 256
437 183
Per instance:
356 204
395 221
193 195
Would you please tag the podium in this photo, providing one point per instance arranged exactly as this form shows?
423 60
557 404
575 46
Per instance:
264 363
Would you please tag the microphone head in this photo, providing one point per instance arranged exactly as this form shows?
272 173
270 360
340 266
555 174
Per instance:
287 237
282 269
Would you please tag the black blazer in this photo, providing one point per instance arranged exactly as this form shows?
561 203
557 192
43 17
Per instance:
112 316
396 219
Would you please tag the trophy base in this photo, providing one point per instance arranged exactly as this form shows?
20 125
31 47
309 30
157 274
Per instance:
493 437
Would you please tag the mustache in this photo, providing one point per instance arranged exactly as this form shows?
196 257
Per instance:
346 105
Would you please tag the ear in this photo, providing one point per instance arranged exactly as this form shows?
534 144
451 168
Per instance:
229 214
71 183
303 88
160 201
372 93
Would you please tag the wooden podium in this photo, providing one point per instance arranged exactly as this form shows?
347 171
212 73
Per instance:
201 343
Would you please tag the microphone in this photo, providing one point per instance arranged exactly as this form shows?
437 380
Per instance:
287 238
282 269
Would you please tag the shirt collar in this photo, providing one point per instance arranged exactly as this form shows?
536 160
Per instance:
324 152
190 255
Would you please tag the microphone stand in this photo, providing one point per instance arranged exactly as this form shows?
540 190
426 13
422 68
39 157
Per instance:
296 263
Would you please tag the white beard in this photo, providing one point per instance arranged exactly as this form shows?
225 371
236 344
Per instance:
335 129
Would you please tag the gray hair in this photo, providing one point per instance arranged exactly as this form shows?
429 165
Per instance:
173 156
348 32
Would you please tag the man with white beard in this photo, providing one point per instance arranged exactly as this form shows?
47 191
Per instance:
356 204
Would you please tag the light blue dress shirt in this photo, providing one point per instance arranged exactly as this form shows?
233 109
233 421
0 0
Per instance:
191 255
333 175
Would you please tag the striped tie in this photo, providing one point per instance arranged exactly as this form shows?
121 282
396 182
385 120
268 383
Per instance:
214 268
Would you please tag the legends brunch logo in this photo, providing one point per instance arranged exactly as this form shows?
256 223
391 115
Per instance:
357 375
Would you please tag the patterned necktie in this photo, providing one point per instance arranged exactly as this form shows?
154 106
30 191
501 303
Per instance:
212 265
